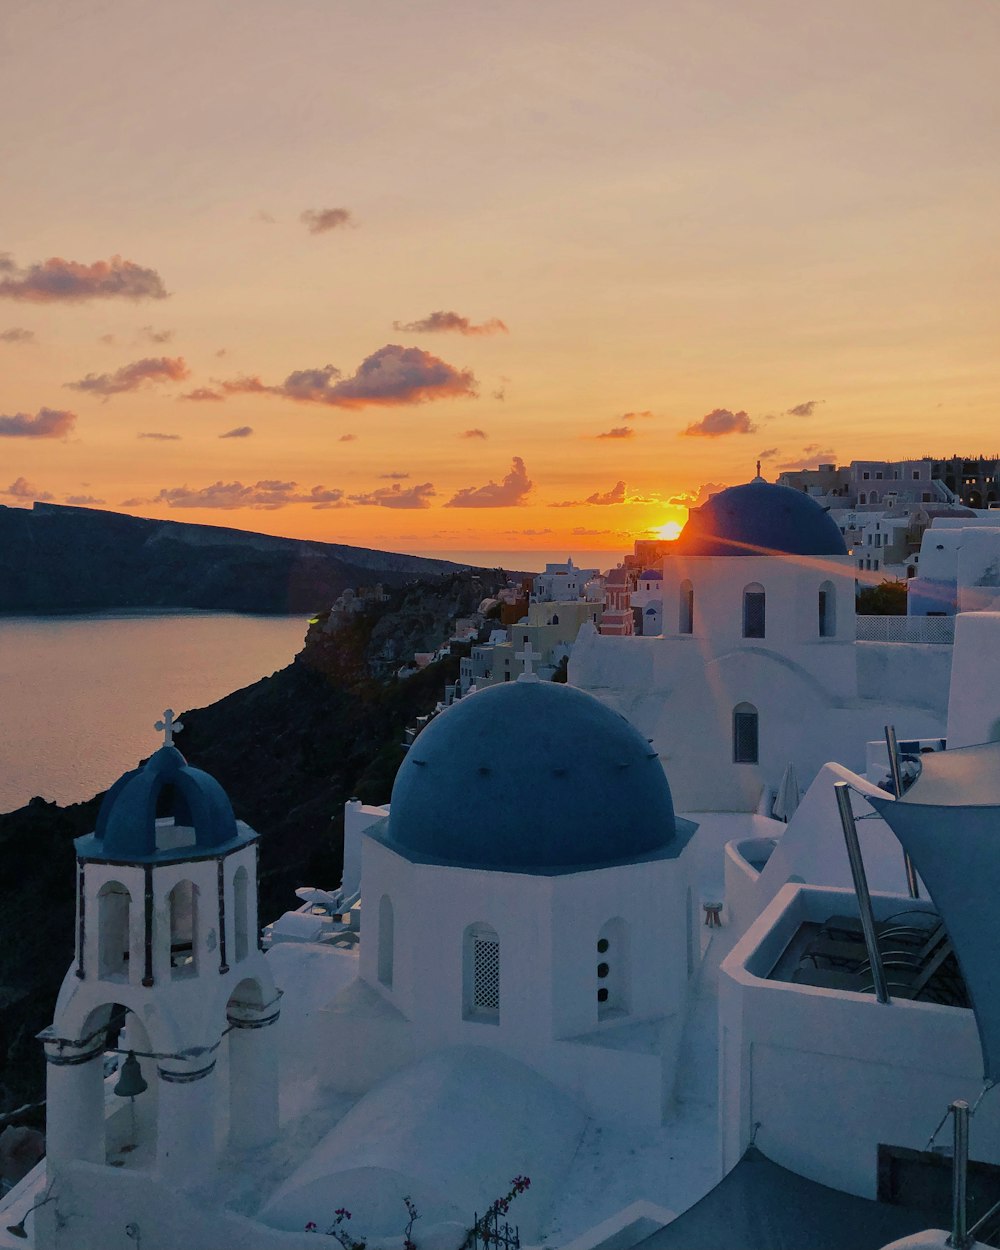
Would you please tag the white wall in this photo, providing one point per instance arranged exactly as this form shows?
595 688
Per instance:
974 702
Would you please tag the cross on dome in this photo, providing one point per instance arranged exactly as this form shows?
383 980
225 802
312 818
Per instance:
168 727
528 656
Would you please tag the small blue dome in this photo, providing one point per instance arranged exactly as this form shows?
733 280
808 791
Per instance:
650 575
126 823
760 519
531 776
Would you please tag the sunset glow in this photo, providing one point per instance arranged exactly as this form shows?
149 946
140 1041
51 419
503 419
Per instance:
670 531
471 277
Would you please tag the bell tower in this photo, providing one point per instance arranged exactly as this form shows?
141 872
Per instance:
168 971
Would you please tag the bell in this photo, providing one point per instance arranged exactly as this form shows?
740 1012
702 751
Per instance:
131 1081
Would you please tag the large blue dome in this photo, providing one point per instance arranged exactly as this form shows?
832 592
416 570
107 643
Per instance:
532 776
760 519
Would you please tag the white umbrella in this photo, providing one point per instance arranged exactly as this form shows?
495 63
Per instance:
787 799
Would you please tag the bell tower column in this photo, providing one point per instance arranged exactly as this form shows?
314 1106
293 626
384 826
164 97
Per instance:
187 1130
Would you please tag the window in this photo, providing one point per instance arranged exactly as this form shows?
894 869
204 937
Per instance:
114 905
745 734
685 624
612 969
386 925
241 906
916 475
555 619
183 905
753 611
866 475
862 498
481 974
827 611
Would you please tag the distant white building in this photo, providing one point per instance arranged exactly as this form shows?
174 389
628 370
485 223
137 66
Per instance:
561 582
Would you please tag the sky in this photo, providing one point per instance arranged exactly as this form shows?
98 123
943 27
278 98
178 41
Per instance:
452 277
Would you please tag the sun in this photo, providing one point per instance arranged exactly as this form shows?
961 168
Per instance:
669 530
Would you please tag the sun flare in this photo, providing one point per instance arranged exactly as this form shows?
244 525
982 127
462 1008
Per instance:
669 530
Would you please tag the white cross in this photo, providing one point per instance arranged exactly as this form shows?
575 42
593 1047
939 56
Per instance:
168 727
528 656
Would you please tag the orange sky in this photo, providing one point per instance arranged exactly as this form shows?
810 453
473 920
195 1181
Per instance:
720 230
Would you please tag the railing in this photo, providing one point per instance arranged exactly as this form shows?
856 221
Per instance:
932 629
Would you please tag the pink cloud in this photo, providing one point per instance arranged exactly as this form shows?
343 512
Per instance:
162 438
812 455
617 494
67 281
321 220
396 496
473 434
391 376
266 495
241 431
84 501
450 322
203 395
721 421
20 488
803 410
512 491
134 376
695 499
619 431
348 438
17 335
46 423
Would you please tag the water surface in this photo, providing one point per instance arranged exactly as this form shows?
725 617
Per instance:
79 695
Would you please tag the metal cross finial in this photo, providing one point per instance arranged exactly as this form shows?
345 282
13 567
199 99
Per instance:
758 468
168 727
528 656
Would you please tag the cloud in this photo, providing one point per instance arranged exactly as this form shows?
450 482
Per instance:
348 438
450 322
695 499
804 410
619 431
22 489
633 416
396 496
46 423
155 336
768 454
17 335
812 455
84 501
265 217
241 431
107 339
473 434
264 495
617 494
132 377
394 477
529 533
223 351
513 490
320 220
67 281
721 421
580 531
204 395
163 438
391 376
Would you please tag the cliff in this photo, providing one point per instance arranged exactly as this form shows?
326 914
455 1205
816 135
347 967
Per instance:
60 559
289 750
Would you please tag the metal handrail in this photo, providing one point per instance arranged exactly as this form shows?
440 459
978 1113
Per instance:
896 768
843 792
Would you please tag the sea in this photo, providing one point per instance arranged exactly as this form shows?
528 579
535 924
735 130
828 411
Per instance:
79 695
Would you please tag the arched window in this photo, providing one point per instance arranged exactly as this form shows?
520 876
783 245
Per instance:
613 969
481 974
183 904
745 734
241 909
827 610
753 611
555 619
685 624
862 498
386 925
114 905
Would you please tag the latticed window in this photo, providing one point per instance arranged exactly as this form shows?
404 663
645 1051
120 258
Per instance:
753 612
486 973
686 622
745 734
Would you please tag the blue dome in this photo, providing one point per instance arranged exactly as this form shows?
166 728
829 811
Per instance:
650 575
760 519
532 776
126 823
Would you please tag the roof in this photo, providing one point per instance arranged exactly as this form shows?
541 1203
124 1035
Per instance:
536 777
761 1204
760 519
126 828
948 822
649 575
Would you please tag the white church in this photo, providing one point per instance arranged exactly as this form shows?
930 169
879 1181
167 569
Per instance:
568 949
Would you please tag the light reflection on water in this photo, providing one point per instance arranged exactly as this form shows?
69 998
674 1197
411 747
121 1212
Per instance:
79 694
